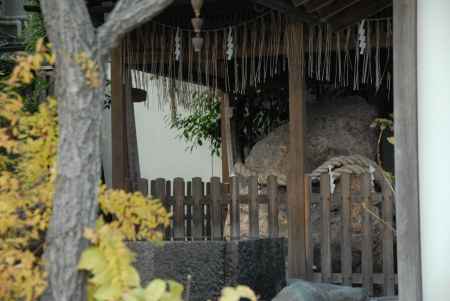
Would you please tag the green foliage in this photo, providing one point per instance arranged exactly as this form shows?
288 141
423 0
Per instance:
34 28
202 124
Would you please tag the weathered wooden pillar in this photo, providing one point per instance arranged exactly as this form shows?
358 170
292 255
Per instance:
296 188
225 129
406 150
118 122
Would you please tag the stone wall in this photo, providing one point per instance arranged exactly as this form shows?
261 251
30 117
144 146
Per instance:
213 265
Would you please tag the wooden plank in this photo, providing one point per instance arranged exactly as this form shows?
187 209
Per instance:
388 241
334 8
228 140
253 207
295 187
216 217
169 207
178 221
309 242
153 188
406 150
224 142
325 231
143 186
346 242
235 209
188 211
314 5
357 278
197 196
273 207
118 122
367 247
361 10
160 193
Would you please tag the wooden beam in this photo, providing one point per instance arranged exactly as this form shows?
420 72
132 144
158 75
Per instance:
296 189
406 151
314 5
297 3
118 122
334 8
223 133
296 13
360 10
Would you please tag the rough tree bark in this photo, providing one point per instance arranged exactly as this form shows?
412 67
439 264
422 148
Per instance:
80 106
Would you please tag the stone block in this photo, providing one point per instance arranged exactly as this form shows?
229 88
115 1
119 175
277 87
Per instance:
307 291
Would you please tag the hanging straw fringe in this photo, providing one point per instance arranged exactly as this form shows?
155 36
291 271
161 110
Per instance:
166 56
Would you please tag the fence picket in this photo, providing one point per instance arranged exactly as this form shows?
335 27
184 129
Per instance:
253 207
388 241
178 221
235 221
273 206
197 216
161 194
325 239
346 242
215 209
309 243
197 196
367 252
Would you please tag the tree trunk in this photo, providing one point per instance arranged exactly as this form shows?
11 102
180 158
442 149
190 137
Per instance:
80 116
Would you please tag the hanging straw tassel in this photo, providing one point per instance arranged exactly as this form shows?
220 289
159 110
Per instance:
347 61
311 51
338 68
328 54
356 68
377 58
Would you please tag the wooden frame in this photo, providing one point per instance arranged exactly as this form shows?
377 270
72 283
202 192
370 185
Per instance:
118 122
406 150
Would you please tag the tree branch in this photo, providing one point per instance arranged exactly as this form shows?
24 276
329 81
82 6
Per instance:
127 15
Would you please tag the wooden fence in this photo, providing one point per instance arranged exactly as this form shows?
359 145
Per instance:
199 210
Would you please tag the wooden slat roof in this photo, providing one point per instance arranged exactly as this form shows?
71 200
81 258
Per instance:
337 13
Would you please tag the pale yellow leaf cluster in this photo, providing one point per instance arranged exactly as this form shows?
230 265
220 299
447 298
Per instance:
137 217
89 68
113 277
28 151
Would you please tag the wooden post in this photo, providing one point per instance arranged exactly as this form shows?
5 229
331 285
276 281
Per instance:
227 148
346 242
296 204
118 122
325 231
406 150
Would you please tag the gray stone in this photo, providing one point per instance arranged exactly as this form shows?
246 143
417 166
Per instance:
308 291
214 265
259 264
337 127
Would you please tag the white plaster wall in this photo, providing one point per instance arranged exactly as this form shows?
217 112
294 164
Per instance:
434 145
162 154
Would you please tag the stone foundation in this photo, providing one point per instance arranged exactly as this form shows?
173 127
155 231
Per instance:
213 265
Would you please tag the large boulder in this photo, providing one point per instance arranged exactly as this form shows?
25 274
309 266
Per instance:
308 291
338 127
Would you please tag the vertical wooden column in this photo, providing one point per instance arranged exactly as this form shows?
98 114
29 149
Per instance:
406 150
296 189
226 150
118 122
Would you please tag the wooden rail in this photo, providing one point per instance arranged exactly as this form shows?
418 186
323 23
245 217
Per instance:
199 211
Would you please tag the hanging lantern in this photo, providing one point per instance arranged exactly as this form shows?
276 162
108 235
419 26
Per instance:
197 23
197 6
197 42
